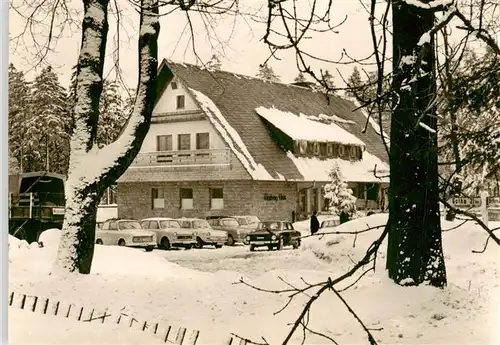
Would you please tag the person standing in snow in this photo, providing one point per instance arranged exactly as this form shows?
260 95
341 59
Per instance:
344 217
314 223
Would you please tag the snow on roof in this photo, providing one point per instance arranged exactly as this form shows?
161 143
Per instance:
231 137
315 169
301 128
329 119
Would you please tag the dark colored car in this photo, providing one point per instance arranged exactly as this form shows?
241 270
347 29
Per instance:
274 234
235 233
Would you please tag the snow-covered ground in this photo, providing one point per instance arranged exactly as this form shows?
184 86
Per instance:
196 289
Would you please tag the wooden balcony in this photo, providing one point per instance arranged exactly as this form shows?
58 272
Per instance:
183 158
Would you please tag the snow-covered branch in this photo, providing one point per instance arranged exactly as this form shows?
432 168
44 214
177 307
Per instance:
436 5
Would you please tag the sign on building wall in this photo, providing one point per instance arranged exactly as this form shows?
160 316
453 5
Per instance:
271 197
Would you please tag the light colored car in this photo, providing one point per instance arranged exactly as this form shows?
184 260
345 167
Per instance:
125 232
169 233
330 223
249 222
235 232
204 233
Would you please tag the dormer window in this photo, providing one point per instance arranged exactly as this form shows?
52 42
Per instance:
180 102
329 149
341 151
322 149
174 85
316 148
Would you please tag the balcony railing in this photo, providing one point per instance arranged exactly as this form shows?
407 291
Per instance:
182 158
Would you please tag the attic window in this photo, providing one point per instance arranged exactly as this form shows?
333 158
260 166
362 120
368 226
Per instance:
180 102
341 151
301 147
174 85
322 149
329 149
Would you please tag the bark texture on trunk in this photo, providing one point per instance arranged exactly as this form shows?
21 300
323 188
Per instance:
92 170
415 253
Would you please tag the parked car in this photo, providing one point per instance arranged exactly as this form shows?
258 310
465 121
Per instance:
125 232
274 234
330 223
204 233
235 233
169 233
250 222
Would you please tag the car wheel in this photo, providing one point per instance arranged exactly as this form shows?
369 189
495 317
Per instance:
99 241
165 243
252 248
230 241
199 243
187 247
218 246
270 247
280 244
121 242
150 248
296 244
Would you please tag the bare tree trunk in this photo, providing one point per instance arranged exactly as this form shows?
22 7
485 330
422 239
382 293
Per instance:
414 249
92 169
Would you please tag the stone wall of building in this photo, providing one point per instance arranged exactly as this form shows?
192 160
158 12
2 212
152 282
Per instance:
267 200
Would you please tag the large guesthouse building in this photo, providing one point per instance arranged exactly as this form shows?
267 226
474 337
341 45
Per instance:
227 144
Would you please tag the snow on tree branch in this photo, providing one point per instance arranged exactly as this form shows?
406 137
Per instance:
435 4
427 128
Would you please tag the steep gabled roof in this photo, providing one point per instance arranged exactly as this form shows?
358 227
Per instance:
237 97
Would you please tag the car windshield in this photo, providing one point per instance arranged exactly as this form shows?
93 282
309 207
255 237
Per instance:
169 224
242 221
200 224
253 219
129 224
229 222
268 226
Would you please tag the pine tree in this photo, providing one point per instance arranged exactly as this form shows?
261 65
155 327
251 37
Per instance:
300 78
328 79
267 73
354 82
214 63
19 98
340 197
111 113
49 125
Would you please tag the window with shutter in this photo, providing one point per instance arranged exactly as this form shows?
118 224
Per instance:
180 102
174 85
202 141
184 142
164 143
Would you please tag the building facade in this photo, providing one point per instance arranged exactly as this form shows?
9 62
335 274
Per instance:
225 144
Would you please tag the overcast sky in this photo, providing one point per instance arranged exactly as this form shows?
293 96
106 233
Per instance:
240 43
